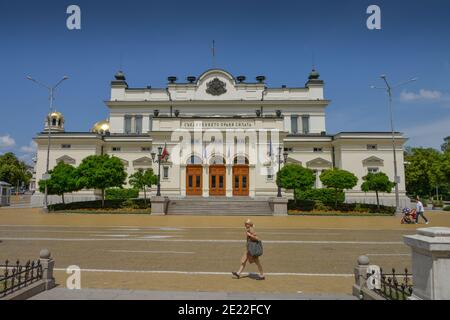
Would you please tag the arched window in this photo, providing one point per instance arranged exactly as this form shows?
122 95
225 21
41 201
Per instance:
240 160
193 159
53 122
217 160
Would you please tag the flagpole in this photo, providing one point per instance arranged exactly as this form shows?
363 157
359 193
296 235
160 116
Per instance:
213 54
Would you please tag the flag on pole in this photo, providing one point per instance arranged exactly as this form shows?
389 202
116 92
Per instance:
165 153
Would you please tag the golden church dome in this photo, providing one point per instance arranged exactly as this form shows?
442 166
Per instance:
101 127
56 114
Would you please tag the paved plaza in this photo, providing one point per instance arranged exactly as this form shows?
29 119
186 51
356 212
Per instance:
303 255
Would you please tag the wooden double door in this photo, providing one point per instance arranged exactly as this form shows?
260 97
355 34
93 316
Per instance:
217 180
194 180
240 180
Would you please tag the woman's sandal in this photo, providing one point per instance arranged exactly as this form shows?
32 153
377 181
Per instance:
236 274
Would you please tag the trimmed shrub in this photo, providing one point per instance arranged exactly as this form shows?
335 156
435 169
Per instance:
302 205
438 203
447 208
309 206
97 204
325 196
121 193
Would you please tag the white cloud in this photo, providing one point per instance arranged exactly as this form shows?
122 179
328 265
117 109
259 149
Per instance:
429 134
6 141
422 95
31 148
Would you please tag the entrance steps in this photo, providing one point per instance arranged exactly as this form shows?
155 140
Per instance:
244 206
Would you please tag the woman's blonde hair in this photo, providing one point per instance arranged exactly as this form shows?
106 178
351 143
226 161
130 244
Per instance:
249 222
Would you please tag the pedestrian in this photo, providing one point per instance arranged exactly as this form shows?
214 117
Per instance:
252 252
420 211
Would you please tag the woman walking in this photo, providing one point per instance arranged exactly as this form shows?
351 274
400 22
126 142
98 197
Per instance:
253 251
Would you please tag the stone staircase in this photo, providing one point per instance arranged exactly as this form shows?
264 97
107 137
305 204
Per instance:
219 206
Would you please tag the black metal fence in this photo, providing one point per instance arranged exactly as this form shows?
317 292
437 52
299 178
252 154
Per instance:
14 277
393 286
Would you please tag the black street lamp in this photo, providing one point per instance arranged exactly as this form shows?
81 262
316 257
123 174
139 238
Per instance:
160 149
285 156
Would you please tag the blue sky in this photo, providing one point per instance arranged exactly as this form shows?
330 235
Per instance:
151 40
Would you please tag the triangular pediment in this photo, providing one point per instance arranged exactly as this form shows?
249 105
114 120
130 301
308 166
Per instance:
66 159
292 160
143 162
125 162
373 161
319 163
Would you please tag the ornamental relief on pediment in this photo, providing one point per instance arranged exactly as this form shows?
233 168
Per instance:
216 87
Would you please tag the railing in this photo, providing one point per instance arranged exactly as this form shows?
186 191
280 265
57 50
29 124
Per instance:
16 276
392 286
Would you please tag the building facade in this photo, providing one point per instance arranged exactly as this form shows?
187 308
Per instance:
226 137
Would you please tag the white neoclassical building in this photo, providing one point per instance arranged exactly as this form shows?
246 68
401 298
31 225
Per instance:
223 135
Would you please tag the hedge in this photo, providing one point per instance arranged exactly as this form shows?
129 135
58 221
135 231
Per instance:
447 208
311 205
97 204
325 196
121 193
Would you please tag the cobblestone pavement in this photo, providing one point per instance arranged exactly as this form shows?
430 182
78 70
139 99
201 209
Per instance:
303 255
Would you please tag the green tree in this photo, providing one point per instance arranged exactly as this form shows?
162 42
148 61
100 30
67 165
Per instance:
142 179
423 171
64 179
445 147
377 182
296 177
13 171
339 180
101 172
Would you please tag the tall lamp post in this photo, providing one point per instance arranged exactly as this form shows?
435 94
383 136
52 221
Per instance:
388 88
51 91
285 155
160 149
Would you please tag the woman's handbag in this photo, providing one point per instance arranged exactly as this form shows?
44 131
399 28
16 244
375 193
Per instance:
255 248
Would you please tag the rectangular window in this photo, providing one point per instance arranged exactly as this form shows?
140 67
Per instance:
372 147
138 123
244 182
145 149
116 148
318 149
288 149
220 182
166 172
294 123
372 170
270 173
213 182
197 181
66 146
127 124
236 182
305 124
190 181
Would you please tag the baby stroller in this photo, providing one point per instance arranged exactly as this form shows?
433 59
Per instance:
409 216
